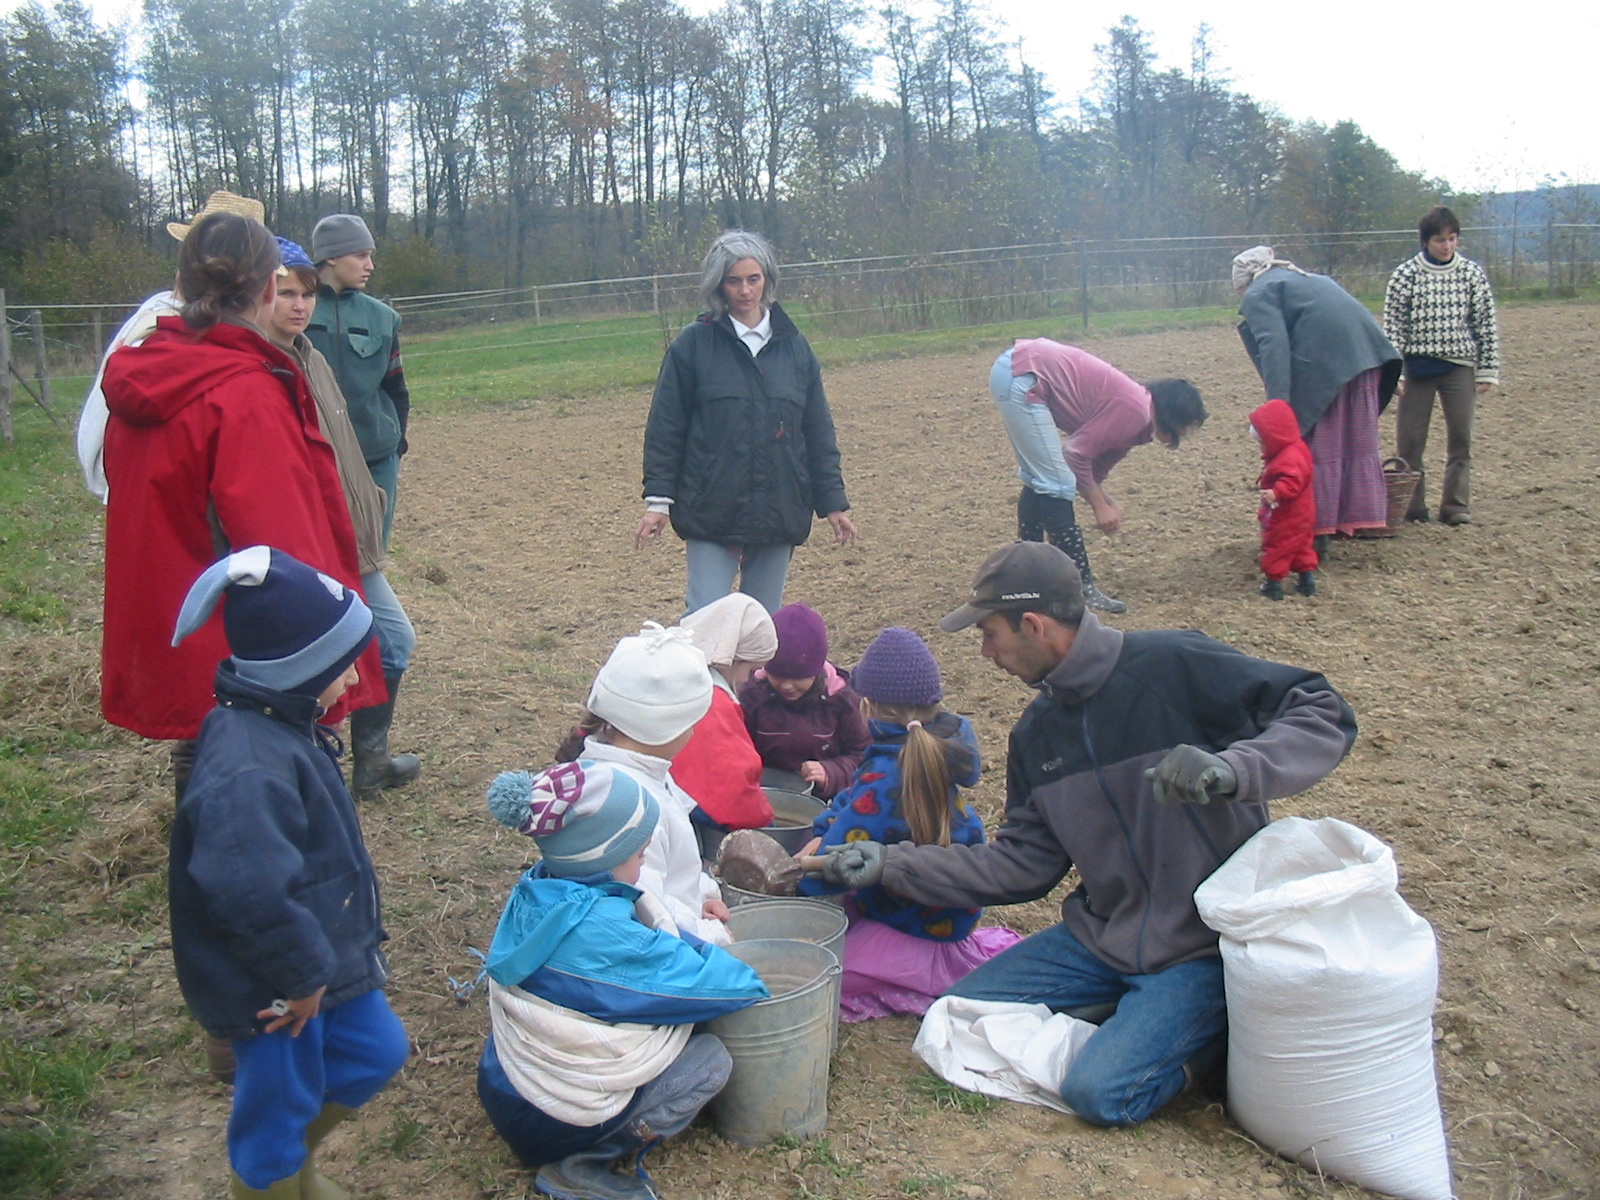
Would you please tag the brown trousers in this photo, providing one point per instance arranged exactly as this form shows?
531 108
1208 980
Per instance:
1457 391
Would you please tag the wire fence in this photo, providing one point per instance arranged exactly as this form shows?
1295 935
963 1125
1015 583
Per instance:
1063 280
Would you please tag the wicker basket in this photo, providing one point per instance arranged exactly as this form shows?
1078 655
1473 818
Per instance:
1401 482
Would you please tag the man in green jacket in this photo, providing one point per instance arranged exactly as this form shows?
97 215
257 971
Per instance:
359 335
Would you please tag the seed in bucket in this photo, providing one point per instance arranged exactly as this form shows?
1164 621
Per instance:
751 860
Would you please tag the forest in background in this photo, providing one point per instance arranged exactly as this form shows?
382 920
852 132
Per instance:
502 143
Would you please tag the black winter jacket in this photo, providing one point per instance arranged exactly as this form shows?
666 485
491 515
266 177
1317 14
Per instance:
271 889
743 445
1076 792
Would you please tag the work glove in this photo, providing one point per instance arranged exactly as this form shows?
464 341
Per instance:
853 865
1191 775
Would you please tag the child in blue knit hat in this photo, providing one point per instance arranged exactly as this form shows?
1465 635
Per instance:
899 956
594 990
276 932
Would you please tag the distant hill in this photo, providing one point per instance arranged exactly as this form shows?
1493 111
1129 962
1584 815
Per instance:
1515 224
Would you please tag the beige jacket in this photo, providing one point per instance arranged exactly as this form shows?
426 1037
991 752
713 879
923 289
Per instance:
366 498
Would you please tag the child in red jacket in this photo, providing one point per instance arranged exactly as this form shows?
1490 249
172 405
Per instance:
1288 502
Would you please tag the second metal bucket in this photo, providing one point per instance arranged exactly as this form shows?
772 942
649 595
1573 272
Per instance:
803 920
779 1046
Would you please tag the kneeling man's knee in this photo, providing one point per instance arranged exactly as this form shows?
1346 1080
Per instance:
1095 1101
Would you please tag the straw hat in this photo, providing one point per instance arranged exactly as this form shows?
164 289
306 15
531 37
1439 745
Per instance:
226 202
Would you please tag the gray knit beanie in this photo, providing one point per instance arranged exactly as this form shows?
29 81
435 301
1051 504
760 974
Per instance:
338 235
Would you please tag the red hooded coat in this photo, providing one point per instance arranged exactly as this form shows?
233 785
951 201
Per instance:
212 445
1287 529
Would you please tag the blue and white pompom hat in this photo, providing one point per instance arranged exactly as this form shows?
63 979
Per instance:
291 628
585 816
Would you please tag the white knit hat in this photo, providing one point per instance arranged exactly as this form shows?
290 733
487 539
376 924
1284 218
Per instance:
654 686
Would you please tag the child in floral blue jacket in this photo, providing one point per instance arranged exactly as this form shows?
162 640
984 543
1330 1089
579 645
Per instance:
900 955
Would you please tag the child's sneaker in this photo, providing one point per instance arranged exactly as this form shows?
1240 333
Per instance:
1308 583
1272 589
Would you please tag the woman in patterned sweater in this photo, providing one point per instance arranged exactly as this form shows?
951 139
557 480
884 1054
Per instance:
1439 313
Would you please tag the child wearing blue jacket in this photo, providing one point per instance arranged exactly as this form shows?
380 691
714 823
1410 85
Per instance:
276 932
899 955
593 991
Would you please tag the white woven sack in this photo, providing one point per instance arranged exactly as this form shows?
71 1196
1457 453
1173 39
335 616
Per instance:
1331 980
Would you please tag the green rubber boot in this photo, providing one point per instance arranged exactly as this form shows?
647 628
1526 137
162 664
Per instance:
283 1189
314 1185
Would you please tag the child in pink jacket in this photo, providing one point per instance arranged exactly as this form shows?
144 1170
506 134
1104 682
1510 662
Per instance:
801 713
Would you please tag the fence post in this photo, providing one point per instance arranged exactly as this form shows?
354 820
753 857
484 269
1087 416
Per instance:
536 317
1550 256
96 346
7 430
41 369
1083 278
655 295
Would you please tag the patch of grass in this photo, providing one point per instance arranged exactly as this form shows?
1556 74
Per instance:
143 901
568 363
34 814
948 1097
46 517
933 1183
52 1081
404 1138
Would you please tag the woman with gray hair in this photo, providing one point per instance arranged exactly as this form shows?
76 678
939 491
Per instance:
739 448
1317 347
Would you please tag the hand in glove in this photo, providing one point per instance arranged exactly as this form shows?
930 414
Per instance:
1192 776
853 865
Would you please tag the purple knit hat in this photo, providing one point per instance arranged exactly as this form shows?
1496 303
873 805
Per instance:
802 643
898 668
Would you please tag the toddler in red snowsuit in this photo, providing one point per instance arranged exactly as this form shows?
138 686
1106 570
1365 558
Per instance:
1288 501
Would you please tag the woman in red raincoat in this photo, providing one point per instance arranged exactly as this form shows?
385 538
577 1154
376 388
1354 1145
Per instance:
212 444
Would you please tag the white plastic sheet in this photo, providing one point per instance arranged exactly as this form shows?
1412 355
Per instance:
1331 980
1011 1051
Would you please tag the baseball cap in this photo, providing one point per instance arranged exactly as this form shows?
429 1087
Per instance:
1021 575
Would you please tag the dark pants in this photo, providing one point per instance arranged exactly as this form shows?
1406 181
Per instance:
1457 391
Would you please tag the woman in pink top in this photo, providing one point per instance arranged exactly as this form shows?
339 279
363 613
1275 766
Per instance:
1072 417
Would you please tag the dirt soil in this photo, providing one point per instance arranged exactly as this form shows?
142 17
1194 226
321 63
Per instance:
1469 655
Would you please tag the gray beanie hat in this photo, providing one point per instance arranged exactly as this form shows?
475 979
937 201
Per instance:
654 686
338 235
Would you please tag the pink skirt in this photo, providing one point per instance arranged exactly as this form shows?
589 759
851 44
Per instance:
1350 488
888 973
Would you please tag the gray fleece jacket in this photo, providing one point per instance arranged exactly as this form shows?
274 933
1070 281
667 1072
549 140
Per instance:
1076 794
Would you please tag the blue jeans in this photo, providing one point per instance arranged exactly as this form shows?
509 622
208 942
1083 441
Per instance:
396 638
386 474
1035 440
712 566
344 1055
664 1107
1134 1063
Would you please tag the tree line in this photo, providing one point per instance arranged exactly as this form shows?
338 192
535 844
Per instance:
510 142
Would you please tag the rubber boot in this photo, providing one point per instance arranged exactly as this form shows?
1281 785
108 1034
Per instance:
314 1185
374 770
1307 583
1065 534
283 1189
182 765
219 1058
1272 589
611 1169
1030 525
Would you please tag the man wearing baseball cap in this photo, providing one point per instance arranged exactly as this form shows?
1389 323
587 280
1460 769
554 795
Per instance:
1145 761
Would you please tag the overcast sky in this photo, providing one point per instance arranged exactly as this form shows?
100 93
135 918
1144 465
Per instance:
1488 103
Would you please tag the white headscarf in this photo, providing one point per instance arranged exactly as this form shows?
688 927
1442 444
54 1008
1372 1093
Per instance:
733 629
1254 262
